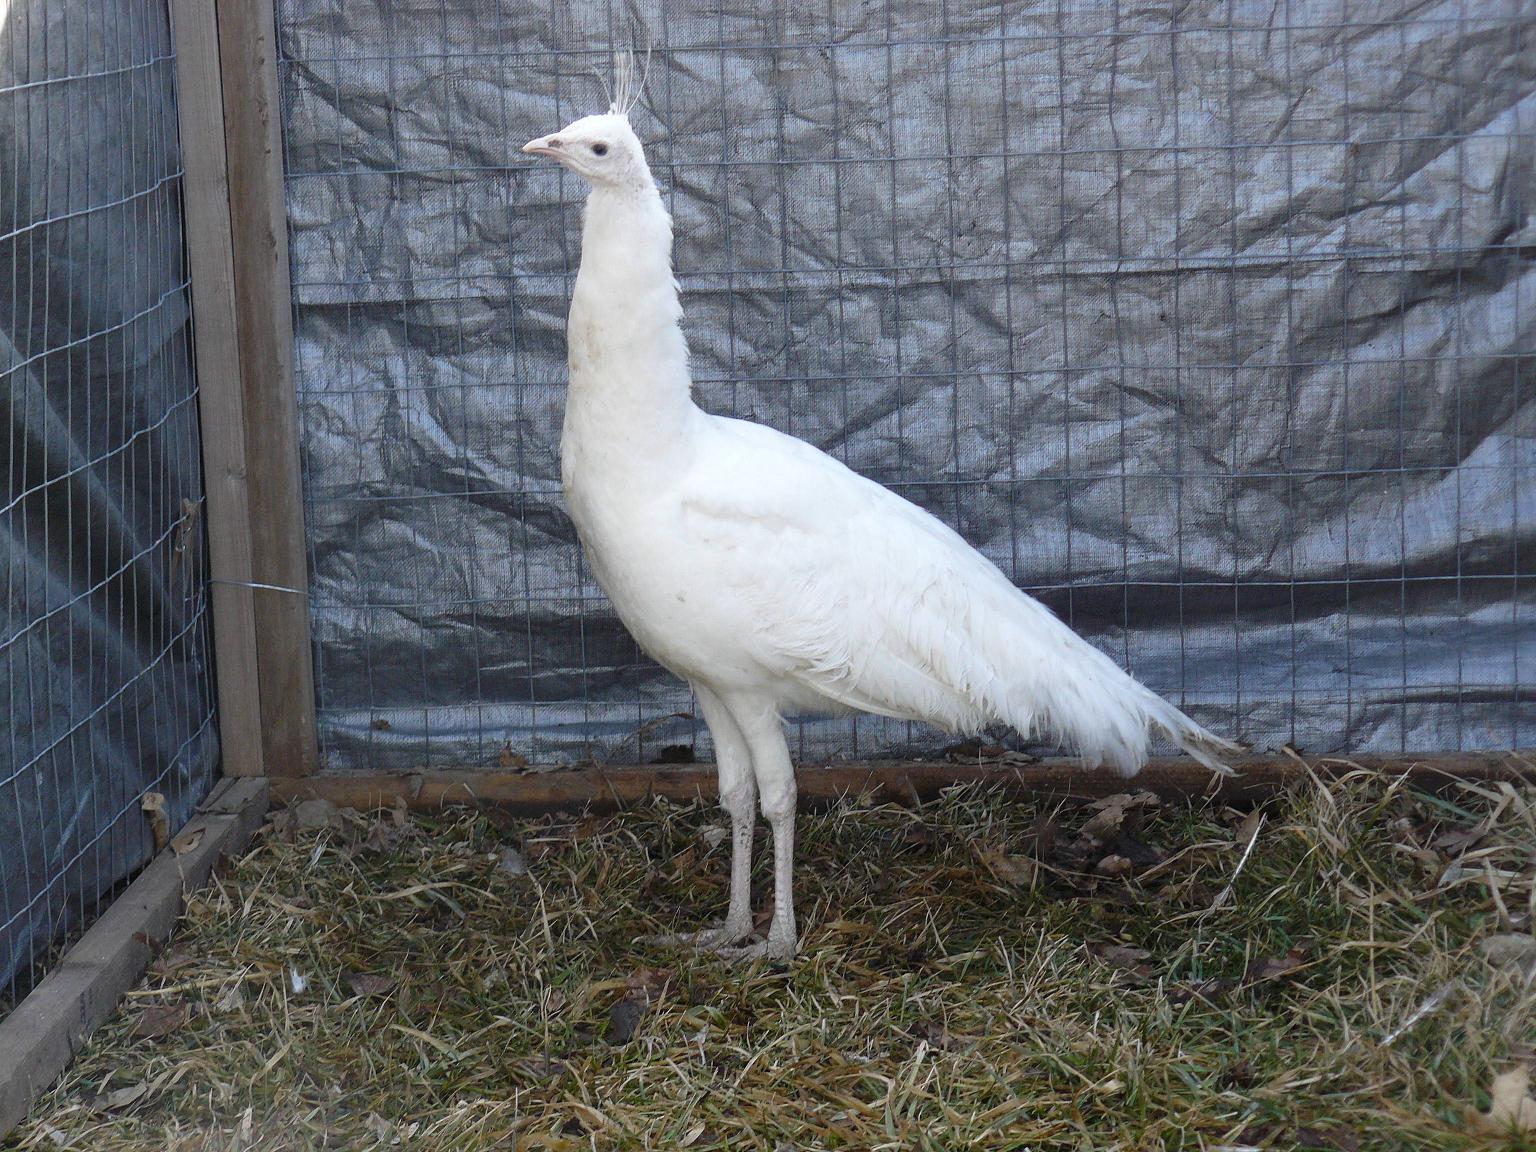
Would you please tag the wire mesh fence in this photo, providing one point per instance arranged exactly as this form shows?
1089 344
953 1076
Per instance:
103 647
1210 323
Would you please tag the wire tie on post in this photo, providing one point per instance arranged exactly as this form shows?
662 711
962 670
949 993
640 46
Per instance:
258 584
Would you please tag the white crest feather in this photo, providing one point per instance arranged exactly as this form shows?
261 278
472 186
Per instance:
626 93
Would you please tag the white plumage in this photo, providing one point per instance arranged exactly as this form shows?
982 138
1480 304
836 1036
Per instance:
771 577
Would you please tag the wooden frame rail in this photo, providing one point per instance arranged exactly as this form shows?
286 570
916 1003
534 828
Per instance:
898 781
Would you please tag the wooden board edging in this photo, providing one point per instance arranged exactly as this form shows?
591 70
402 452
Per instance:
38 1039
902 782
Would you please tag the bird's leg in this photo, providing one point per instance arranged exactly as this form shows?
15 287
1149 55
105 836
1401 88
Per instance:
738 796
776 783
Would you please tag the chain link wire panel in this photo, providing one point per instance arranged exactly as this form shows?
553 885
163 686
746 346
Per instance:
1210 323
104 641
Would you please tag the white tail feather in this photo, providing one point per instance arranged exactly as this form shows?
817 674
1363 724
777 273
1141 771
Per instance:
1109 717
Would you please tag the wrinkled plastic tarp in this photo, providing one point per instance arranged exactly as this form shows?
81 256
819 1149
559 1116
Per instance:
1209 323
103 643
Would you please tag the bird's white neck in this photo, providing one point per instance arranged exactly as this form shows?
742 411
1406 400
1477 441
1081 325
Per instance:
630 395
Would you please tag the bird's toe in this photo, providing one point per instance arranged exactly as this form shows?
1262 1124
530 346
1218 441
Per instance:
769 949
704 940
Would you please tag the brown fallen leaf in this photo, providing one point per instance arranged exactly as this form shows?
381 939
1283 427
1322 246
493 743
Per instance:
1511 1107
1207 990
370 983
162 1020
187 840
1509 949
649 984
118 1098
1274 967
1017 871
1041 839
1248 829
937 1036
1113 812
624 1019
175 957
1120 954
153 805
1456 839
1113 865
1140 854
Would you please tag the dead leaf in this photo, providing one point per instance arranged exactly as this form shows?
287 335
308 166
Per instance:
1248 829
381 838
1122 955
1017 871
714 835
153 805
119 1098
1141 854
1113 866
187 840
1041 840
1112 812
1207 990
1511 1108
1275 967
175 957
937 1036
976 749
649 984
154 1023
370 984
1457 839
1509 949
624 1019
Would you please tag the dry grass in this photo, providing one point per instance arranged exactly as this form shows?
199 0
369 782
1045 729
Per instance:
967 982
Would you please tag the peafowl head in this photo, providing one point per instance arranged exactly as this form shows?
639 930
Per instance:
603 149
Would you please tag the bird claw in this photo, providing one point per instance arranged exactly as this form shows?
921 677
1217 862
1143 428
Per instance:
715 939
769 949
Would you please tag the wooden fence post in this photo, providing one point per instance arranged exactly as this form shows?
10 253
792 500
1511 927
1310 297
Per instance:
237 243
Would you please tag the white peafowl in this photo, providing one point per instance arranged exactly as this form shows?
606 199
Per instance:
774 579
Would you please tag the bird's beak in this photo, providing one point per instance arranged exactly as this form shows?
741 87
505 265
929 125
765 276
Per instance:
543 146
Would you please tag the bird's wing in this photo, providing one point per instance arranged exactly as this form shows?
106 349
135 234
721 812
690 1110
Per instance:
856 594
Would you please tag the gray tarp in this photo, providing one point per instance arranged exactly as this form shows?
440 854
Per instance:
1211 323
103 641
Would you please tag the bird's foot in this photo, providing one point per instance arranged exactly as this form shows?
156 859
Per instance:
773 948
713 939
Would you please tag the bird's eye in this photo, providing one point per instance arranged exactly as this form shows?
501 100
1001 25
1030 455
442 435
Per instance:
600 149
